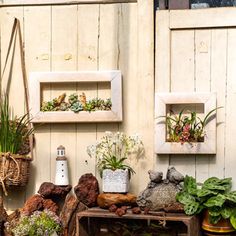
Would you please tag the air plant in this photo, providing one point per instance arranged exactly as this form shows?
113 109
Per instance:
183 128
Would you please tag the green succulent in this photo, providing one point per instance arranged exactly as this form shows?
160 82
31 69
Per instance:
73 98
76 107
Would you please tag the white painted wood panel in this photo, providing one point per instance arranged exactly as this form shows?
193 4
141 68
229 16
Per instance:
89 37
218 84
38 57
182 80
202 60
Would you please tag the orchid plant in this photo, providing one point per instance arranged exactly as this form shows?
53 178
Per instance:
114 149
183 128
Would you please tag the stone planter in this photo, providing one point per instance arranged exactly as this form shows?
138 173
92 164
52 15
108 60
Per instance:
116 181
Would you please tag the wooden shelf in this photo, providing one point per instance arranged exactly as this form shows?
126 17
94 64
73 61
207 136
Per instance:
191 222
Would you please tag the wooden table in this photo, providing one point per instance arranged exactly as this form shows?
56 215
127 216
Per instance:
191 222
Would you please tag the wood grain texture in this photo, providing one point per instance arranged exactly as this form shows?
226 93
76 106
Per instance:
37 22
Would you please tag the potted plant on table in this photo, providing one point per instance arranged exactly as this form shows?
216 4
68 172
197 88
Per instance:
215 198
111 154
15 135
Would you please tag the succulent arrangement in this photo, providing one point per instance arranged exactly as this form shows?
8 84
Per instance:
114 149
187 128
76 104
214 195
40 223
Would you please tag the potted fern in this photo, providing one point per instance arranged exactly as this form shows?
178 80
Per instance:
111 154
14 146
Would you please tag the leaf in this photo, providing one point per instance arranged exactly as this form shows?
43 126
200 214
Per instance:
233 221
213 212
215 201
217 184
191 208
184 198
226 212
214 219
190 185
205 192
231 196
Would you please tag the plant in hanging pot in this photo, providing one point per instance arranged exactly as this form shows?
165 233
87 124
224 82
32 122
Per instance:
14 146
112 154
215 199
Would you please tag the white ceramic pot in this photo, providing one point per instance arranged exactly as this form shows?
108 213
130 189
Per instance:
115 181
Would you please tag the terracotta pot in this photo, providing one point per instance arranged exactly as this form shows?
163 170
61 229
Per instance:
223 226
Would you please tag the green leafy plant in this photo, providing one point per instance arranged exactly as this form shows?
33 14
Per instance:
114 149
214 195
187 128
14 131
40 223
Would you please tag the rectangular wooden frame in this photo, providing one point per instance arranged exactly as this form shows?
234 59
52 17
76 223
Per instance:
37 78
164 147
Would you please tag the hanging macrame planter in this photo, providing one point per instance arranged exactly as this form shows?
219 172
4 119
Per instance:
15 168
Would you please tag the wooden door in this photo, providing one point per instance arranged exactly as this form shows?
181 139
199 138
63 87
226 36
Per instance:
195 52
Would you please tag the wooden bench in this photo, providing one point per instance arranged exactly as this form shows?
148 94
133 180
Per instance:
191 222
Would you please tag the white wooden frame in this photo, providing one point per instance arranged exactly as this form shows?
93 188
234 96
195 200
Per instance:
164 147
37 78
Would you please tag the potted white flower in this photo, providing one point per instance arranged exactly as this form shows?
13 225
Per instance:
111 154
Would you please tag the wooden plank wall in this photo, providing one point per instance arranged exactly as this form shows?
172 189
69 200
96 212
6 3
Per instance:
85 37
190 58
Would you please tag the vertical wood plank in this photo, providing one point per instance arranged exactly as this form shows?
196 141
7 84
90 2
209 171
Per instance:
162 70
64 57
145 80
230 147
108 52
218 85
128 60
182 80
88 26
37 22
202 84
15 199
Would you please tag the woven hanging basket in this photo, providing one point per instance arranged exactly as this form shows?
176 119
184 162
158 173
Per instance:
14 169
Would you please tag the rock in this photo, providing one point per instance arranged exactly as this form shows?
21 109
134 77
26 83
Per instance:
120 211
34 203
136 210
3 216
50 190
68 209
72 223
38 203
113 208
12 219
50 205
105 200
87 190
174 176
158 197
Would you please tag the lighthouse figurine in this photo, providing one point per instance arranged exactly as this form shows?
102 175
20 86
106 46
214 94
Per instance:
61 167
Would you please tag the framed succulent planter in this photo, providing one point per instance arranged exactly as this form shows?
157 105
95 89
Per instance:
185 123
84 96
115 181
